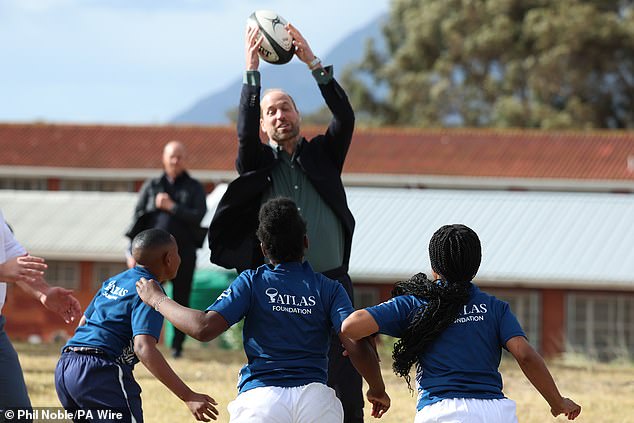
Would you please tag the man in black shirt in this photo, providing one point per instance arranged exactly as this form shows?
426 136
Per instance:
176 203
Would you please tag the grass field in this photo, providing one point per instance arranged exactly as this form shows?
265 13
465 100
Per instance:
605 392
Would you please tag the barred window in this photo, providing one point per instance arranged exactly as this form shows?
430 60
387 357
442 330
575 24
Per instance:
63 273
38 184
366 296
103 271
601 326
96 185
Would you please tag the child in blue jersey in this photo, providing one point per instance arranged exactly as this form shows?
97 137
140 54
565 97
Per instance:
116 331
455 333
289 313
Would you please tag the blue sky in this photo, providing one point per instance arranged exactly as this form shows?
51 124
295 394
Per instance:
140 61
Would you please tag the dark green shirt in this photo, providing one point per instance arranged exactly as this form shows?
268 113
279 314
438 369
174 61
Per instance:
325 232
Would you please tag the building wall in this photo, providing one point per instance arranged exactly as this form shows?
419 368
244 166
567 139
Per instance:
596 323
599 324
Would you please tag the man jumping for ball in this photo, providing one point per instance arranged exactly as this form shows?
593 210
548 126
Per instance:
308 172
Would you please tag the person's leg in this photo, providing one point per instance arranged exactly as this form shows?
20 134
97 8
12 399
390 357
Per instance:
268 404
98 384
13 392
65 398
342 376
317 403
182 288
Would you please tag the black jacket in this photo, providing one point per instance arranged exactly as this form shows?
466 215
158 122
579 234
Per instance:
191 206
232 238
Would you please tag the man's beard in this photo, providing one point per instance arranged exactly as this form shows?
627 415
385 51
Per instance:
280 137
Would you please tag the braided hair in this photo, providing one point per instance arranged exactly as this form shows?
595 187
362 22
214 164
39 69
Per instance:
455 254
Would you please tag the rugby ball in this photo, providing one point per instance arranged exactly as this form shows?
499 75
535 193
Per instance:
277 47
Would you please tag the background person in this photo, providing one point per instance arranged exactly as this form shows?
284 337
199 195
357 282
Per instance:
26 271
455 333
308 172
174 202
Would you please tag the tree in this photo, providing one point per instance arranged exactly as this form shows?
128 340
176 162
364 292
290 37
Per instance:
505 63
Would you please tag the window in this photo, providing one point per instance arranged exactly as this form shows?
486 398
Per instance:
103 271
23 184
601 326
63 273
526 306
365 296
96 185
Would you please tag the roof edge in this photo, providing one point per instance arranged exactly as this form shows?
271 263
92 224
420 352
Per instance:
376 180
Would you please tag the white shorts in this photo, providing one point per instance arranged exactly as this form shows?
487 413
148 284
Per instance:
468 410
312 403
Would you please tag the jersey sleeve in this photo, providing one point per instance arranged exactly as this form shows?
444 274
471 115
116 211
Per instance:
145 320
394 315
233 304
341 307
11 247
509 326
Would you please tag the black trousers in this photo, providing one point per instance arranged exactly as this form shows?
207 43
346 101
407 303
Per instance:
182 288
342 376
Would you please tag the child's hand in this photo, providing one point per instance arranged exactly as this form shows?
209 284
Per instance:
380 402
202 406
149 291
568 408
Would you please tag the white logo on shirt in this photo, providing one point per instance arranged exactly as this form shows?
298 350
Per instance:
224 294
283 301
112 291
472 313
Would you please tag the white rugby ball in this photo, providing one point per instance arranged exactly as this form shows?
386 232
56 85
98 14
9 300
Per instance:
277 47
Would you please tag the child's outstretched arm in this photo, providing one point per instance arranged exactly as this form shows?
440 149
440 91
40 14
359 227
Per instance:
534 367
366 361
195 323
200 405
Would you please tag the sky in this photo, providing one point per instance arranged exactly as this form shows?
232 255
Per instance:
140 61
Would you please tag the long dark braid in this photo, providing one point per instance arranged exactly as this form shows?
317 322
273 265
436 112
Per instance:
455 254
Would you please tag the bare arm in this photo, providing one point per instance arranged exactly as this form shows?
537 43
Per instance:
359 325
365 360
195 323
534 367
24 268
200 405
54 298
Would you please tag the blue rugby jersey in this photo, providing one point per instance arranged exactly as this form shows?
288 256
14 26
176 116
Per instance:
289 313
463 361
116 315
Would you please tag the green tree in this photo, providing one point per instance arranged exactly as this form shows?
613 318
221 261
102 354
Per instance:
505 63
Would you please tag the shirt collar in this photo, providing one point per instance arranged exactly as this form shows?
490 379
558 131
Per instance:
144 272
277 149
293 266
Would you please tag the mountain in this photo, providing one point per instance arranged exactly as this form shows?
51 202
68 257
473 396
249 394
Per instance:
293 77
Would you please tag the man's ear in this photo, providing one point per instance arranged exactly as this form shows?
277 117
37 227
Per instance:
306 243
264 253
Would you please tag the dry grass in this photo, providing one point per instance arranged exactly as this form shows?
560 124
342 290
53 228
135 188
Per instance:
606 392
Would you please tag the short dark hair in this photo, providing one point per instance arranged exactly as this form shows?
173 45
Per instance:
281 230
147 242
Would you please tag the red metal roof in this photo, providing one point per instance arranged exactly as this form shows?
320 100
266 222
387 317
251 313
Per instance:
447 152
